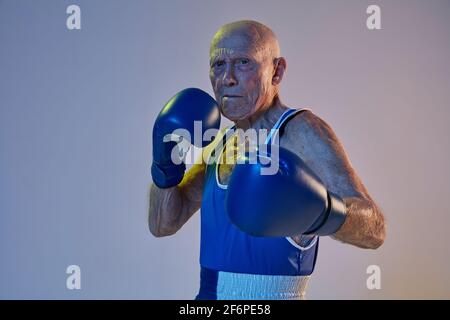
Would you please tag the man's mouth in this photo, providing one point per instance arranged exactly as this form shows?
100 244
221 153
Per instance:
231 96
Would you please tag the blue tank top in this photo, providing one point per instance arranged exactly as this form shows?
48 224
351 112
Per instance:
223 247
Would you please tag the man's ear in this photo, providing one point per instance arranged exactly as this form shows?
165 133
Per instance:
280 67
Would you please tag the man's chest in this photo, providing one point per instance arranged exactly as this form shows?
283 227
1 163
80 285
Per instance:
236 147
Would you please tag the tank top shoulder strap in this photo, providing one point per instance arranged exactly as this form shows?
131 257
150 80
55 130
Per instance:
278 127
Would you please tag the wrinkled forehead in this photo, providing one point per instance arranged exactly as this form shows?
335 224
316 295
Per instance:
236 44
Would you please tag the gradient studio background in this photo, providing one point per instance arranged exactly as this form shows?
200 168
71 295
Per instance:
77 108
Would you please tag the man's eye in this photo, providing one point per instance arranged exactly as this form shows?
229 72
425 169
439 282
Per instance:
219 63
244 61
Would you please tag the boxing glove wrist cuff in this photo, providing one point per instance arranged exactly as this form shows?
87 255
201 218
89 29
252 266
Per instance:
334 217
167 176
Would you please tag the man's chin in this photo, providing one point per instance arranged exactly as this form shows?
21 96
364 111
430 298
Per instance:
234 116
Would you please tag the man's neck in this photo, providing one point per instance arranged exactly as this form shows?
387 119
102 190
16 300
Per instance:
265 118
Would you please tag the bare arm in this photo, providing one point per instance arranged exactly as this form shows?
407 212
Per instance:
364 226
314 140
171 208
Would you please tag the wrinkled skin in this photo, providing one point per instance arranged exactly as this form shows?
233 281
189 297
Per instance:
245 71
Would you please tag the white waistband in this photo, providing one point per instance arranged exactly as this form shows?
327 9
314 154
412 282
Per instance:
242 286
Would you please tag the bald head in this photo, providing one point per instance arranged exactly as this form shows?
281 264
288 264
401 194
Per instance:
250 34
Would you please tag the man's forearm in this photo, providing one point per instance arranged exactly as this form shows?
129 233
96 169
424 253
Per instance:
165 207
364 226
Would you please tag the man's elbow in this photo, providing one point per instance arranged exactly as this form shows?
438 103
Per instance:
378 237
376 242
161 232
157 234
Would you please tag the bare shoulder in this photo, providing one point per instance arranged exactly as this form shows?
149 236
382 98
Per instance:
314 140
315 136
308 131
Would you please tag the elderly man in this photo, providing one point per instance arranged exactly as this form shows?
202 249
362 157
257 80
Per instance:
259 255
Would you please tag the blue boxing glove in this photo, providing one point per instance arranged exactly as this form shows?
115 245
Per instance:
173 130
290 202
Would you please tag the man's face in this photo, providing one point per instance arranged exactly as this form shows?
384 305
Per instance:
241 76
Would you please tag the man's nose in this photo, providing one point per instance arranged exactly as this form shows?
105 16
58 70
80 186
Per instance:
229 78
